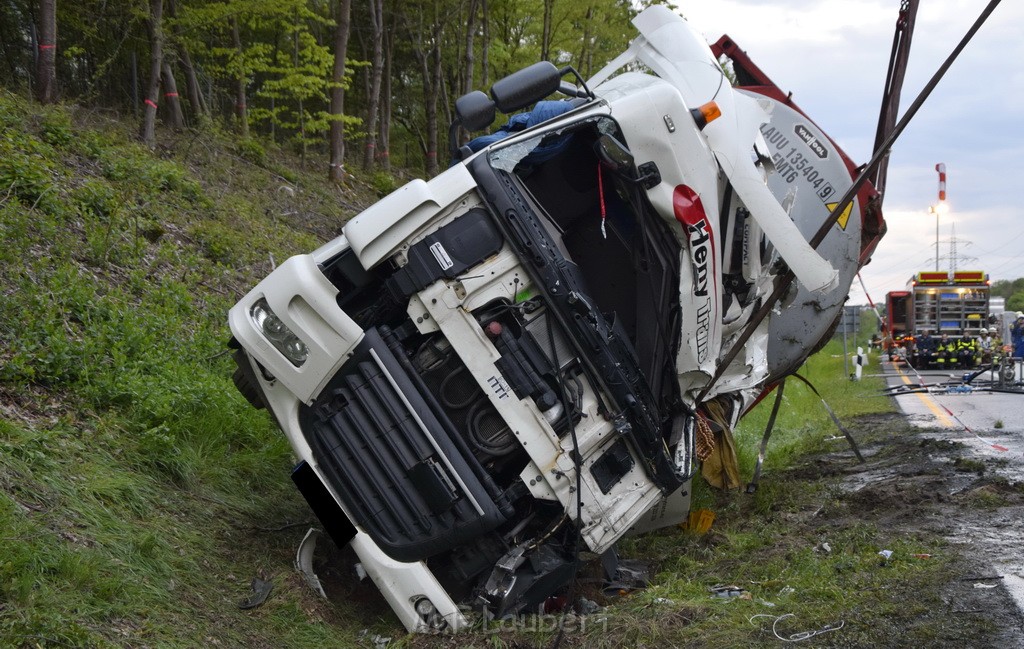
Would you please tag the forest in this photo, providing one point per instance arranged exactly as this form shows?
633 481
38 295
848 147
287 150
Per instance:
365 85
1012 290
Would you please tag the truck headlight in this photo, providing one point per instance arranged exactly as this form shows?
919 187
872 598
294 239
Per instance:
425 607
277 332
430 616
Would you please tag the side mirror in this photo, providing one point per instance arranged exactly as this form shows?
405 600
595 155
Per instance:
615 156
571 90
474 111
525 87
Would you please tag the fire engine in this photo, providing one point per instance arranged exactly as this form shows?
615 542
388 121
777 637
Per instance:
955 303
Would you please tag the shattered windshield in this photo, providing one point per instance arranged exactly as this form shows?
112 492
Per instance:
602 221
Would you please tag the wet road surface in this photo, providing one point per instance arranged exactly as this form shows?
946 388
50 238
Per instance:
986 417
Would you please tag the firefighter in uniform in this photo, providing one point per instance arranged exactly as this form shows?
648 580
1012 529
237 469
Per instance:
965 351
1017 335
986 345
924 350
944 352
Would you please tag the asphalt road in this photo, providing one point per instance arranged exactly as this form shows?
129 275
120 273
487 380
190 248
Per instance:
987 419
990 415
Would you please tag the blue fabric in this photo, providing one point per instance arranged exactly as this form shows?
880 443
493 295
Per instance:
542 112
1017 337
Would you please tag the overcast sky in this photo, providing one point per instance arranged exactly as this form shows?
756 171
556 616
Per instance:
833 54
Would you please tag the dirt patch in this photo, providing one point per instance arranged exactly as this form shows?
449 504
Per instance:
918 485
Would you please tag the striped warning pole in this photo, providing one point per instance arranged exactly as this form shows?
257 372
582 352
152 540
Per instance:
939 207
998 447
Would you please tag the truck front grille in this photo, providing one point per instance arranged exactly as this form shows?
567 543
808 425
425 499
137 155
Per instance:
392 461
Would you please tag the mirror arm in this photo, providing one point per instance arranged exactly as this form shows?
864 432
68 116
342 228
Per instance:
453 141
582 82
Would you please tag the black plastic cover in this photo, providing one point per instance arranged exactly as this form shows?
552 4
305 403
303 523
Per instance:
611 466
392 461
320 500
526 86
518 364
458 246
475 111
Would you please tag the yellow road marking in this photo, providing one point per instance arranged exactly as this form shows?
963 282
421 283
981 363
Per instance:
928 401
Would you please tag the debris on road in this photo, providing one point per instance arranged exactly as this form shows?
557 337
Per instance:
800 635
729 592
260 591
304 561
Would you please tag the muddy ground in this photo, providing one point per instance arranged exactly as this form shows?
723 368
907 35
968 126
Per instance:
922 483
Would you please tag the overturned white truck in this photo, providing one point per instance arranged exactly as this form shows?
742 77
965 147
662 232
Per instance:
496 369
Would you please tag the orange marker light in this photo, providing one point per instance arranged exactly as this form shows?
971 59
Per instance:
706 114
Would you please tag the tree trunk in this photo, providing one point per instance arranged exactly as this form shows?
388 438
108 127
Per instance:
376 70
587 56
426 47
177 119
302 111
583 64
135 84
545 43
431 109
447 99
46 68
467 84
241 110
156 44
485 53
384 155
336 170
195 96
273 100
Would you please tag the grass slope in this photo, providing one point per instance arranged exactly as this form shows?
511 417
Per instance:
137 487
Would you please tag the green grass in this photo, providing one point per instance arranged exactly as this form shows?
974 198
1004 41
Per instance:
804 425
139 492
